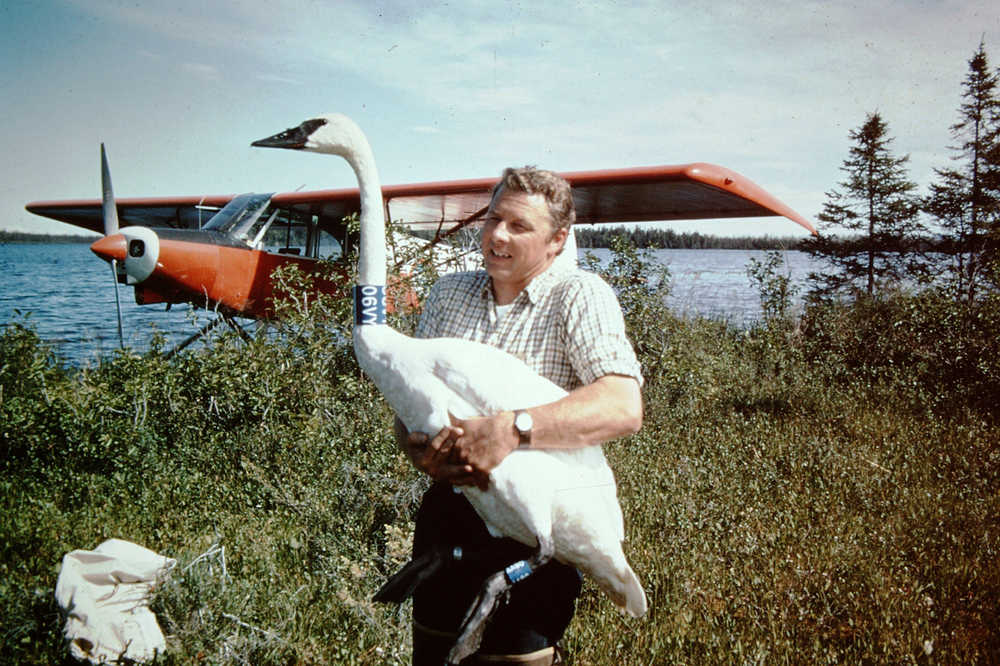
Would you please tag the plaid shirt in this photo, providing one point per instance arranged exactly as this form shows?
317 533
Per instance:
566 324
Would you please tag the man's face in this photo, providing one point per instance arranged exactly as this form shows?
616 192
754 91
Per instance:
517 242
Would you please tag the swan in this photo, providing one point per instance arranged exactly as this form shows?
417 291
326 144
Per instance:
564 502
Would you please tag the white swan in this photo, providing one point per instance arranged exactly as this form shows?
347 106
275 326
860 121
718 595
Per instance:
563 501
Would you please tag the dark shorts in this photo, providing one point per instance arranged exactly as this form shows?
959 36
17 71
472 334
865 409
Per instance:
540 607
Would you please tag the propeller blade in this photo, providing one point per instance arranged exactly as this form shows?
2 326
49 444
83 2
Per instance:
118 304
108 199
110 211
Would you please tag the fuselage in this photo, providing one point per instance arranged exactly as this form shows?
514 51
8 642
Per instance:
207 269
229 263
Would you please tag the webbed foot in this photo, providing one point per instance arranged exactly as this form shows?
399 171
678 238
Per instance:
401 584
491 594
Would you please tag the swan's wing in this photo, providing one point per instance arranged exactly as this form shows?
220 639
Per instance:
488 378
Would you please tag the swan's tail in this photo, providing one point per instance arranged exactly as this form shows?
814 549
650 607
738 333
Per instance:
623 588
635 596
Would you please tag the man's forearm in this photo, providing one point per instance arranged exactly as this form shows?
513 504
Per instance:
605 409
608 408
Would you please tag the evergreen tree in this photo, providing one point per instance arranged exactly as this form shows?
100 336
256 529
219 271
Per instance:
966 200
879 209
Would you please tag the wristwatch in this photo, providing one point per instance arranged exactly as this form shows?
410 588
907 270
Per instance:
523 424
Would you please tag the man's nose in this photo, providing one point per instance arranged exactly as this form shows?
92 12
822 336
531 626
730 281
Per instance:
501 232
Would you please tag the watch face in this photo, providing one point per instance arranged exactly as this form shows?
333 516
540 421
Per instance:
523 422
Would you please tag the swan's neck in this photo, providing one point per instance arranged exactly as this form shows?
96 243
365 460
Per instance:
372 257
369 293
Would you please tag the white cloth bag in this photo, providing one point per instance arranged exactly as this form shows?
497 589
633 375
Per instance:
105 594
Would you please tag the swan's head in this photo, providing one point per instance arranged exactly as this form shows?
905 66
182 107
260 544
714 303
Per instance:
333 133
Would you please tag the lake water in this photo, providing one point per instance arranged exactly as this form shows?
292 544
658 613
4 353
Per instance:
67 294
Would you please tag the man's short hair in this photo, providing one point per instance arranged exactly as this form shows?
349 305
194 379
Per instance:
532 180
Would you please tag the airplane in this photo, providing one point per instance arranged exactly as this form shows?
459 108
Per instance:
220 251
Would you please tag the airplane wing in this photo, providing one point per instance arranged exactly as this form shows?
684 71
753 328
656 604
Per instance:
639 194
174 212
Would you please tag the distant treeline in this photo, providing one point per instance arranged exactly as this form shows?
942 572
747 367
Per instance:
24 237
668 239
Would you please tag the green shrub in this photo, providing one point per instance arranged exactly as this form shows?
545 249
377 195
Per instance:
943 352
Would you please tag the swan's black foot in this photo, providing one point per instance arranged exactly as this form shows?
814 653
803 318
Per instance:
491 594
401 585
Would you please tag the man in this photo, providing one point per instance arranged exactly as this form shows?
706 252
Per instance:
567 326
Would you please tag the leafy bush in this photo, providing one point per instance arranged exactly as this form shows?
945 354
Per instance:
776 290
943 352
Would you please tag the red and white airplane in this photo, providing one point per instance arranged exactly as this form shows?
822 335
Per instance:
172 251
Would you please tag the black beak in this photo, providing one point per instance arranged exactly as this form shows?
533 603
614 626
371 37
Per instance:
293 138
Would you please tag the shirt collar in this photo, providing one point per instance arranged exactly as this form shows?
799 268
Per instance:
538 286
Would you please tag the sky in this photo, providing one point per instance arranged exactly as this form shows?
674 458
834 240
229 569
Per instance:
177 91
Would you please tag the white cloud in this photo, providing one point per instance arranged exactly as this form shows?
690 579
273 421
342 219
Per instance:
202 71
284 80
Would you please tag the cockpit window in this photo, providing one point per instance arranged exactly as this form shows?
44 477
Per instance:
251 219
292 232
239 215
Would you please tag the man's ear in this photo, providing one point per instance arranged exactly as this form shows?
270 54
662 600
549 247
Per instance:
560 237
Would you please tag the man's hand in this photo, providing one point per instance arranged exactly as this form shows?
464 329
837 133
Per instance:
435 456
483 443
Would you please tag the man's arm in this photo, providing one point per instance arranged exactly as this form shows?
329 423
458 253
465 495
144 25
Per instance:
609 407
466 452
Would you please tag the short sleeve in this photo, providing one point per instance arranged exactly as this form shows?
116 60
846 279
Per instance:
595 330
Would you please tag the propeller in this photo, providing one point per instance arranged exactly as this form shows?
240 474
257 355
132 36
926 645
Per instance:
110 211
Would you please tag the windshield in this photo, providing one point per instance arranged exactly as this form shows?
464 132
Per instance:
250 218
238 216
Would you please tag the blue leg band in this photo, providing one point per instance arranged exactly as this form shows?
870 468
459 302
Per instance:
518 571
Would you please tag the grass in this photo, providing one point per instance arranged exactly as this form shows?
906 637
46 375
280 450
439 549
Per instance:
795 495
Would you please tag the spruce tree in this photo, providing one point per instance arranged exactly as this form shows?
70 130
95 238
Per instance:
878 209
965 201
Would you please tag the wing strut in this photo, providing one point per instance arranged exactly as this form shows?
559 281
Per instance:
204 330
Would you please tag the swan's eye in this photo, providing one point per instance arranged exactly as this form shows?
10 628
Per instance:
310 126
